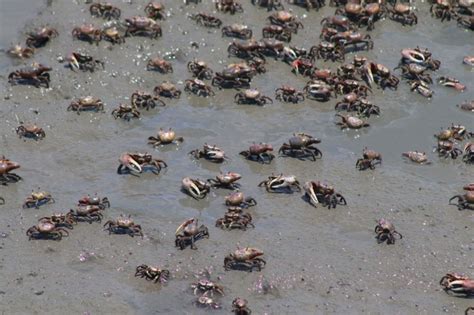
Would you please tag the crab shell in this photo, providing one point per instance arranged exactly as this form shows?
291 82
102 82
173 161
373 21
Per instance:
229 177
235 198
166 136
247 253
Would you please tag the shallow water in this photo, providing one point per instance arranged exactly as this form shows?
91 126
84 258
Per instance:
318 260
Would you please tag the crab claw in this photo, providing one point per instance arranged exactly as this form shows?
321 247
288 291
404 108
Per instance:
368 70
309 189
184 224
73 62
7 166
191 188
129 162
413 55
469 187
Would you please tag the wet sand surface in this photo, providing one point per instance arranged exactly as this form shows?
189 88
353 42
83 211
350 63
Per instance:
319 261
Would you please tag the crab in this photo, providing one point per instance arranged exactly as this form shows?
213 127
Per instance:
225 180
37 199
465 201
287 20
421 87
235 218
245 50
417 157
36 75
41 37
131 163
230 6
300 145
141 99
21 52
105 10
209 152
339 22
102 203
155 11
322 193
198 87
452 83
351 122
164 137
363 107
247 258
231 77
447 148
60 220
200 70
123 225
270 47
78 61
468 60
280 183
88 33
259 152
189 232
468 151
414 71
353 39
403 13
303 66
456 132
319 91
126 112
370 159
206 302
87 213
289 94
150 273
277 32
467 106
207 287
442 9
252 96
112 34
87 103
196 188
206 20
457 284
237 199
167 89
379 74
160 65
237 30
6 166
30 131
46 230
352 86
420 56
143 26
239 307
466 22
327 51
386 232
372 12
269 4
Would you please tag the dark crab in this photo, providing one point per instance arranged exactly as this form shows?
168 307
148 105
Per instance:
464 201
353 40
352 86
195 187
287 20
386 232
467 106
351 122
41 37
239 307
83 62
447 148
160 65
237 30
269 4
143 26
370 159
458 284
198 87
442 9
414 71
327 51
245 50
126 112
189 232
379 74
259 152
154 274
88 33
30 131
300 145
210 152
87 213
167 89
231 77
6 166
247 258
252 96
230 6
402 12
237 199
86 103
281 183
339 22
37 199
200 70
319 90
46 230
123 225
36 75
155 11
88 200
322 193
206 20
277 32
142 99
225 180
235 218
164 137
206 287
131 163
289 94
105 10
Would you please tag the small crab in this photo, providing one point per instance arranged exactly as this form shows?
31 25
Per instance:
21 52
301 146
126 112
351 122
386 232
46 230
458 284
231 6
468 153
447 148
227 180
289 94
189 232
259 152
239 307
277 32
317 192
452 83
403 13
142 26
281 183
209 152
88 200
155 11
6 166
252 96
370 159
287 20
131 163
87 213
237 30
167 89
237 199
206 20
198 87
164 137
160 65
206 287
30 131
123 225
88 33
83 62
37 75
37 199
200 70
196 188
105 10
467 106
155 274
60 220
87 103
41 37
145 100
235 218
417 157
206 302
247 258
113 35
465 201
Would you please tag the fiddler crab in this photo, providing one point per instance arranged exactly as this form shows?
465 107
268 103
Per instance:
131 163
143 26
322 193
21 52
88 33
247 258
83 62
87 103
6 166
280 183
105 10
205 301
370 159
385 231
37 75
154 274
164 137
195 187
126 112
123 225
30 131
468 151
88 200
252 96
145 100
159 65
351 122
189 232
155 11
417 157
207 287
289 94
237 199
239 307
301 146
235 218
198 87
465 201
467 106
259 152
211 153
447 148
457 284
37 199
87 213
46 230
60 220
452 83
41 37
167 89
200 70
225 180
